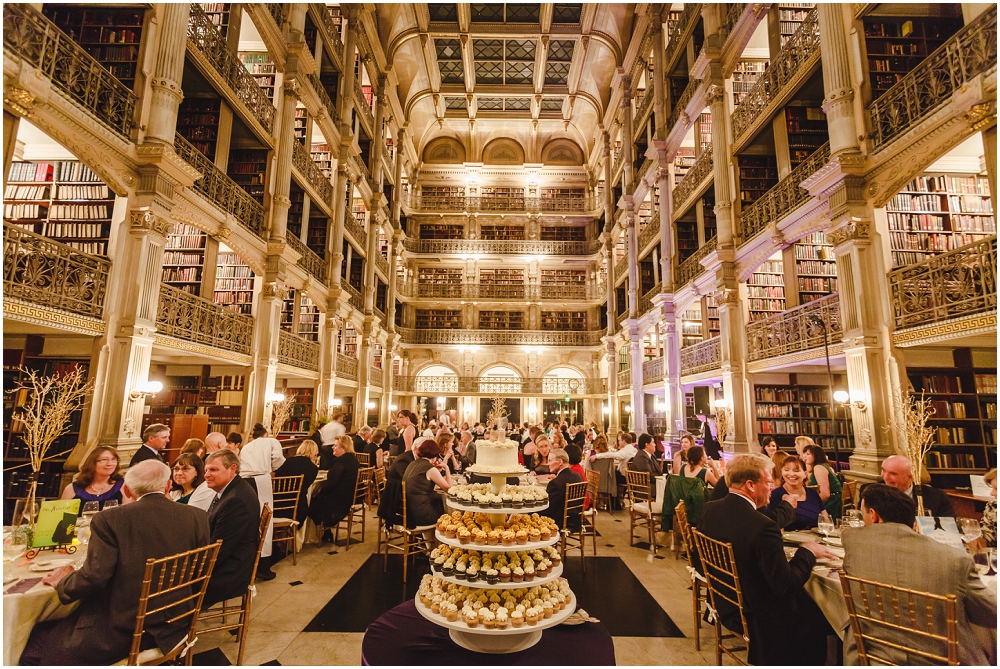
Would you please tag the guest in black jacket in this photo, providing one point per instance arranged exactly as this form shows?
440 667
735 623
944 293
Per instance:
556 489
234 517
776 608
897 473
332 502
781 512
155 438
303 463
390 507
644 461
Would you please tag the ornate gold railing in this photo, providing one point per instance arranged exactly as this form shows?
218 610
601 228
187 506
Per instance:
690 14
298 352
361 103
31 37
692 267
650 232
361 168
492 385
643 104
303 162
968 53
701 357
646 301
355 227
641 172
619 161
184 316
950 285
794 330
332 30
50 274
501 247
733 14
501 337
624 378
702 169
621 268
324 97
207 39
382 264
501 292
376 376
786 196
218 188
682 102
347 367
279 11
436 203
652 370
309 260
355 298
802 46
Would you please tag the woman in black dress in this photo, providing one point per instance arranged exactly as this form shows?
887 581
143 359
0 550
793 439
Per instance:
303 463
423 505
332 502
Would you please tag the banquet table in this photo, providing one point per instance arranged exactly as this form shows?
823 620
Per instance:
404 637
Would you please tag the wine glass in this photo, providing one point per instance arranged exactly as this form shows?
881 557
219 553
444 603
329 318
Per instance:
83 530
23 514
110 504
90 509
970 529
824 524
854 518
14 544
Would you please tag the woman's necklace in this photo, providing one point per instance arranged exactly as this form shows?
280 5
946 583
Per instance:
99 490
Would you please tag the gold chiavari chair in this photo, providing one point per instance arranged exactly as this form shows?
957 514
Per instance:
358 513
407 541
897 626
576 495
699 595
363 459
378 487
719 564
287 492
643 511
590 515
848 496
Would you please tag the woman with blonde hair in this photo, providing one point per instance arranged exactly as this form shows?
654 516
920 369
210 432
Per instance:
332 502
305 464
800 444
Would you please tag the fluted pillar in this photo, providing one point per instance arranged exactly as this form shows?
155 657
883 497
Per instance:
659 89
347 81
673 392
838 103
397 181
341 193
369 277
614 417
266 333
725 223
165 83
328 363
609 221
390 291
281 202
378 141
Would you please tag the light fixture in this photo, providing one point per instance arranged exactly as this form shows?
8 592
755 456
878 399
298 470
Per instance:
146 388
441 402
722 403
628 408
336 402
841 396
606 409
393 407
370 405
659 406
274 397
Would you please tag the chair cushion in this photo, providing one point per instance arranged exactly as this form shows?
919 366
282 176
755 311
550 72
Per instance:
590 512
284 522
643 507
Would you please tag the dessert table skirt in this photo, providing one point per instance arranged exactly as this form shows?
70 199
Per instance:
404 637
22 611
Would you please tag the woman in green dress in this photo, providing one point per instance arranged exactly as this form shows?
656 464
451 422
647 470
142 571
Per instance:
823 478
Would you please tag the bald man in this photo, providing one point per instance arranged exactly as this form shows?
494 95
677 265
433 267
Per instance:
896 473
214 441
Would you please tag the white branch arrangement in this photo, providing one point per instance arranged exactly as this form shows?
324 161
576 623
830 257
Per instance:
913 436
281 412
723 422
498 410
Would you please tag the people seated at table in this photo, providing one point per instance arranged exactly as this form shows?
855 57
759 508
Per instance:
989 520
622 455
362 438
332 501
109 583
538 460
374 448
769 446
680 457
575 454
781 512
556 489
779 461
808 504
645 462
466 449
233 517
155 439
600 445
99 479
888 550
196 446
203 495
822 476
429 469
304 464
800 444
897 473
188 474
786 627
699 466
234 442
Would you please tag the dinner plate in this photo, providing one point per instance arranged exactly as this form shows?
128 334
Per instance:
833 541
9 578
49 565
797 537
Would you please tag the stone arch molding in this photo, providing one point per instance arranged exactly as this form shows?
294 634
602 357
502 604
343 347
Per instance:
500 366
430 366
562 152
503 151
444 151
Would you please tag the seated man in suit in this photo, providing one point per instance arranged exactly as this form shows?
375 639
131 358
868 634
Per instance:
155 438
559 465
234 517
896 473
781 512
888 550
109 583
645 461
776 608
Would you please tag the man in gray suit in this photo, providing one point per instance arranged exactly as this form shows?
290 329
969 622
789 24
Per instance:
889 551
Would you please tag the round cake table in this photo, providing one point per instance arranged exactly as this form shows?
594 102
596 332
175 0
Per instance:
403 636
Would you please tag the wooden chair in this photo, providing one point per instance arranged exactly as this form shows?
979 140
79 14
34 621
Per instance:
698 595
894 626
576 495
589 517
387 461
363 459
378 487
643 511
287 492
719 565
608 484
243 610
358 508
407 541
848 496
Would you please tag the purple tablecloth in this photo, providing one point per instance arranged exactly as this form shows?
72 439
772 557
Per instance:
404 637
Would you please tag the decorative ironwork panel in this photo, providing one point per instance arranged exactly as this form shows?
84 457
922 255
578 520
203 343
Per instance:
549 292
33 38
324 97
502 337
354 227
332 29
361 103
347 367
195 319
376 376
652 370
382 265
303 162
796 329
644 103
298 352
968 53
362 168
733 14
646 301
625 378
207 39
702 169
355 298
784 198
953 284
692 267
279 11
309 260
650 232
682 102
621 268
47 273
799 48
220 189
690 14
501 247
701 357
641 172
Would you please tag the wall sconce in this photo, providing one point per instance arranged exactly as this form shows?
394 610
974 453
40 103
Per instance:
854 399
628 408
274 397
722 403
605 409
393 407
370 405
336 402
146 388
659 406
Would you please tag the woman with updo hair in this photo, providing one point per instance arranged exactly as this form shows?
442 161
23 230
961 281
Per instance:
423 505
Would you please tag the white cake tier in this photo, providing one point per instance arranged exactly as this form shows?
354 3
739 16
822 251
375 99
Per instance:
506 510
461 627
496 457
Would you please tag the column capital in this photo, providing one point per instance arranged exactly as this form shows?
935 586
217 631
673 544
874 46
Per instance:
852 231
146 221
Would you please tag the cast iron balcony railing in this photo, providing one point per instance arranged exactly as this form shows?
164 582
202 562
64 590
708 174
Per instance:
501 247
347 367
784 198
332 29
621 268
733 14
361 103
794 330
690 14
951 285
688 270
625 378
492 385
701 357
702 169
195 319
650 231
790 63
652 371
279 11
376 377
501 337
303 162
682 102
643 104
477 291
298 352
445 203
324 97
46 273
207 40
641 172
968 53
309 260
382 265
355 298
31 37
646 301
221 190
356 228
362 169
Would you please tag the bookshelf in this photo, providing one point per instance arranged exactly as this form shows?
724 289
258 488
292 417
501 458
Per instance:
786 411
261 68
288 311
439 276
704 130
438 319
295 210
791 15
758 174
222 398
708 214
563 277
358 210
184 258
745 77
300 422
712 316
501 277
500 193
441 231
316 235
309 318
683 162
563 193
109 33
573 321
815 267
501 320
766 290
568 233
301 121
323 158
219 399
937 213
64 201
501 232
234 282
807 131
350 341
248 168
198 123
691 325
218 13
687 237
897 44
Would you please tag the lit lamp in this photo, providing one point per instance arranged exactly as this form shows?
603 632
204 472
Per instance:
843 398
336 402
145 389
393 407
441 402
274 397
370 405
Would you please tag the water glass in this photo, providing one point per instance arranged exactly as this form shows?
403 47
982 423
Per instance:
90 509
14 544
854 518
83 530
970 529
23 514
110 504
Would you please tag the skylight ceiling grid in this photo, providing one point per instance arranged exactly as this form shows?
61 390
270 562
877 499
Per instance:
449 56
441 12
504 61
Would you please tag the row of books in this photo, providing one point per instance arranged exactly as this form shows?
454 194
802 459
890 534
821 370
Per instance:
970 204
769 394
778 426
26 193
943 409
909 202
93 248
757 304
816 267
986 384
814 285
177 258
765 291
811 252
949 184
948 435
937 460
14 211
186 241
916 222
234 284
185 274
775 411
61 170
65 192
757 279
73 230
77 211
985 224
921 241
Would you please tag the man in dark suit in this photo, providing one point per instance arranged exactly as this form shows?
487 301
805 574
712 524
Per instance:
785 625
782 512
896 473
556 489
361 439
644 461
155 438
234 517
109 584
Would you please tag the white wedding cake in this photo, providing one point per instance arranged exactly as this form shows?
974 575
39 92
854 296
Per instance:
497 455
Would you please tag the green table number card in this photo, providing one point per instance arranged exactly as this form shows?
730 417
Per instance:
56 523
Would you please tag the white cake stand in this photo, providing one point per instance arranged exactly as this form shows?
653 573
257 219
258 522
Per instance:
497 482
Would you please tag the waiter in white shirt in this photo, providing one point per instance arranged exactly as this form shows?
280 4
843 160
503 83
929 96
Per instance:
258 459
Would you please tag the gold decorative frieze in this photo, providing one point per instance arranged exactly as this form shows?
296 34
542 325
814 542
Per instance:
199 349
938 332
25 312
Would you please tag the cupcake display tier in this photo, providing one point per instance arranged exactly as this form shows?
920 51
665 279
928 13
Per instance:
496 641
556 572
530 546
458 506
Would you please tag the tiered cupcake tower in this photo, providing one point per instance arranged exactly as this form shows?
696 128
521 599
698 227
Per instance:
513 639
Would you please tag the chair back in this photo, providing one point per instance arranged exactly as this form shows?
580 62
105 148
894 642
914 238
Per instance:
719 568
847 496
388 460
364 459
287 490
680 513
265 521
593 484
362 484
406 521
638 486
576 494
894 625
606 468
173 588
380 479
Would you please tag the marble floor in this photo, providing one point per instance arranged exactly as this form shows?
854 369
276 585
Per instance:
315 612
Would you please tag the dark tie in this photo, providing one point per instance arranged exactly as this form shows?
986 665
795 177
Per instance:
215 503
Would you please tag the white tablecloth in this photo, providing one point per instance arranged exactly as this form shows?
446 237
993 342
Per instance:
824 588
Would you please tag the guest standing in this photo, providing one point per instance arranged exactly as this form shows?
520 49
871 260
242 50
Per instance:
332 502
99 480
709 436
304 464
808 502
155 438
261 456
428 469
188 474
822 476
